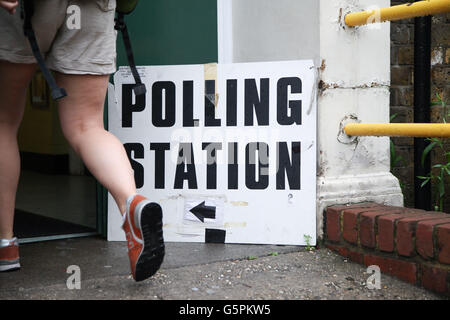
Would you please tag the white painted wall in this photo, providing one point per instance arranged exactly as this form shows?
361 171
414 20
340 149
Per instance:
356 78
268 30
355 75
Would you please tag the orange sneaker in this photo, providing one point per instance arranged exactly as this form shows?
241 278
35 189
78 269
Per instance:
9 254
143 228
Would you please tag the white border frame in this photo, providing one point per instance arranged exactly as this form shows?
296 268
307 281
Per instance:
225 31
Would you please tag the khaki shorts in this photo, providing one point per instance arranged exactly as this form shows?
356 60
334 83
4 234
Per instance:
87 47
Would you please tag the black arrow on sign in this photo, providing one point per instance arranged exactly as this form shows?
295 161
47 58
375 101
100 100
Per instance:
202 211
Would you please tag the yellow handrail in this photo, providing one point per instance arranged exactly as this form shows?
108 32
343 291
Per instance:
403 11
425 130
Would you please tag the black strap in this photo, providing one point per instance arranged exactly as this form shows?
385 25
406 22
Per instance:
139 88
27 10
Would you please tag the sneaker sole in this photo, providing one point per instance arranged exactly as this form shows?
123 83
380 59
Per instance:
153 252
9 267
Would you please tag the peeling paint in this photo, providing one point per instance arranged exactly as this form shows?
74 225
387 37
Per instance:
347 7
326 86
323 65
342 137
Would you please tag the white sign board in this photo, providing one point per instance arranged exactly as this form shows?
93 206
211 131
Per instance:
227 150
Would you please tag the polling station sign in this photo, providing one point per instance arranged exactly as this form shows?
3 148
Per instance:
227 150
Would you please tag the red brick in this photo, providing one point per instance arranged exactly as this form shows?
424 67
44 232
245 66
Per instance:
435 279
406 271
342 207
333 224
406 231
350 225
348 253
367 225
338 249
443 243
350 222
333 218
424 237
386 228
355 256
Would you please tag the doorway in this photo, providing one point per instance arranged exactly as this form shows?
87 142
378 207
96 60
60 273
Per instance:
56 196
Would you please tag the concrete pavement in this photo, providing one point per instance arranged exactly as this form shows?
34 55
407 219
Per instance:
196 271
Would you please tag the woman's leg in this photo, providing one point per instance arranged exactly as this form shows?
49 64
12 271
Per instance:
14 80
81 117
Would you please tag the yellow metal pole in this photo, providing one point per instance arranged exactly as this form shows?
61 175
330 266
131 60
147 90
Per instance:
403 11
424 130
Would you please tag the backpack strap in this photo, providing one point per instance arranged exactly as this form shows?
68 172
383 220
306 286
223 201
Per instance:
139 88
27 11
126 6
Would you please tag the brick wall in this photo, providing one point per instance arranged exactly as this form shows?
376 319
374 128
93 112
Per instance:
402 93
412 245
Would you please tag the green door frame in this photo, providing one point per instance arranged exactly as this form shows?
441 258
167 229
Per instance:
165 32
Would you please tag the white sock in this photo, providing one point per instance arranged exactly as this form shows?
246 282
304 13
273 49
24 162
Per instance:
7 242
127 207
128 202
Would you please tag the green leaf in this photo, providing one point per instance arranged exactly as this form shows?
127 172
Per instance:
424 183
392 154
392 117
447 155
426 152
441 189
394 157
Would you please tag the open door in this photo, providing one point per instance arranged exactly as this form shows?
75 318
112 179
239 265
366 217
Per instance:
56 197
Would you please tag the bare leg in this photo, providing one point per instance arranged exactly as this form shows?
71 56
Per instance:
81 117
14 80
